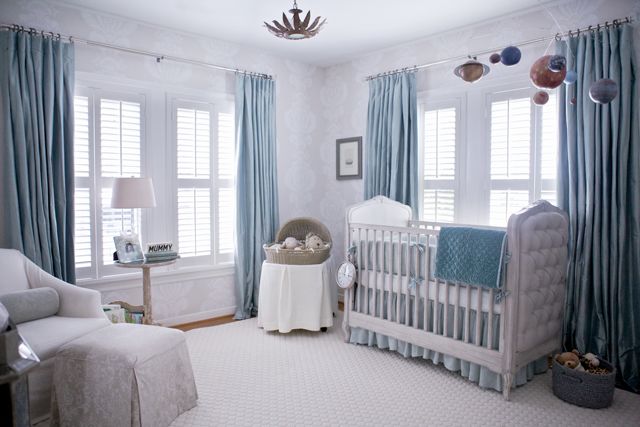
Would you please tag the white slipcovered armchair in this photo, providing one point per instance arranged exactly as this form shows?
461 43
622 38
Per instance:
79 312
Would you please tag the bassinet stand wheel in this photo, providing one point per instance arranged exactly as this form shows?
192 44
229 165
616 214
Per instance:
323 329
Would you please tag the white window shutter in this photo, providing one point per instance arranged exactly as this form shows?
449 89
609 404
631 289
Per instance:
193 137
120 134
193 151
510 139
439 164
82 195
503 203
120 142
81 137
82 238
194 221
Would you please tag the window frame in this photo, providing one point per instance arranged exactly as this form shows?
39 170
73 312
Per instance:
214 105
96 182
426 104
535 184
473 157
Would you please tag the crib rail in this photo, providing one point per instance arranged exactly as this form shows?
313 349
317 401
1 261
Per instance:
396 284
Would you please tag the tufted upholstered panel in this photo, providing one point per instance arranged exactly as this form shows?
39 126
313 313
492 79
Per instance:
542 252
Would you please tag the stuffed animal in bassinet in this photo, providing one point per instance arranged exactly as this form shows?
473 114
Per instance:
313 241
290 243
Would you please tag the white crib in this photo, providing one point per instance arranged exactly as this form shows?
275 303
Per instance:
404 301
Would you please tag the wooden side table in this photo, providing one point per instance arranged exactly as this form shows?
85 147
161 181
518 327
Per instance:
146 267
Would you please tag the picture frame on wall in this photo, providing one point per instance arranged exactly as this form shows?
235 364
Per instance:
349 158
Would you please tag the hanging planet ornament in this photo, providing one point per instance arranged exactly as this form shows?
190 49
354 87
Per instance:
557 63
510 55
540 98
471 71
571 77
542 77
603 91
494 58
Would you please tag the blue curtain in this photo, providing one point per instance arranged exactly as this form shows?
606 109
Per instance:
256 185
391 151
599 187
36 153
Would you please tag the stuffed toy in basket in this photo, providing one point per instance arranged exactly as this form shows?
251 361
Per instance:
300 241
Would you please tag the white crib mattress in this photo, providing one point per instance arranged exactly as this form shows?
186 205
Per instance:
402 282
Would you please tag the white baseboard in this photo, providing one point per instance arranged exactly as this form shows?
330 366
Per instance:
196 317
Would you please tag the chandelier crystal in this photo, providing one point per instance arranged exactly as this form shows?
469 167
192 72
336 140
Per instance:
296 29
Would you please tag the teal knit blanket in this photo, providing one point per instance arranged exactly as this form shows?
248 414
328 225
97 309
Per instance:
471 255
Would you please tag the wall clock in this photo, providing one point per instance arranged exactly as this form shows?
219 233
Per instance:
346 276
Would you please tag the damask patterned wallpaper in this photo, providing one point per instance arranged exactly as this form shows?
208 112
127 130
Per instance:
315 107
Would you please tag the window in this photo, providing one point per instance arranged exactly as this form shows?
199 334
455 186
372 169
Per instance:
204 135
486 153
439 164
194 181
523 142
108 141
193 174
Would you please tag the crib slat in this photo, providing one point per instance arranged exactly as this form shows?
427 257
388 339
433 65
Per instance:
374 285
446 309
467 315
427 275
416 298
362 271
389 263
407 299
367 308
383 263
478 316
436 307
490 321
398 277
456 309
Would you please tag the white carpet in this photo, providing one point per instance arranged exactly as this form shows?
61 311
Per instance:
248 377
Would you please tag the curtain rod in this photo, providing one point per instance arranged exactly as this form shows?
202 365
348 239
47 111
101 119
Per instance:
158 56
556 36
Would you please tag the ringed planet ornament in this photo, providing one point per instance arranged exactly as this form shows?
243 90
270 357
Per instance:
495 58
510 55
557 63
574 101
603 91
571 77
542 77
471 71
540 98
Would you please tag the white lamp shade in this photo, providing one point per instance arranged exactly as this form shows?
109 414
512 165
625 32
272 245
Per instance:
128 193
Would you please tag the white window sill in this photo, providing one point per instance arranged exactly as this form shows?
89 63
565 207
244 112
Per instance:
159 275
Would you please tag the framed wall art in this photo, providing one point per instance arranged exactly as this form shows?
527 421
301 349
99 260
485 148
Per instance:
349 158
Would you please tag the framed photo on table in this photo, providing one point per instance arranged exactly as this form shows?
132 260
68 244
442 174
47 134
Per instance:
349 158
128 248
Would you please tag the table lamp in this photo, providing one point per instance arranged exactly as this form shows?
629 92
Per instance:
132 193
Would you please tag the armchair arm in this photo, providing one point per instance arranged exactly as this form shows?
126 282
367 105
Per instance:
74 301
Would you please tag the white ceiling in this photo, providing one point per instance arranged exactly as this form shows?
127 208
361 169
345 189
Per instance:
353 26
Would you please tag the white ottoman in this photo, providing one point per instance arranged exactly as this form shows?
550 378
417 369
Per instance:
123 375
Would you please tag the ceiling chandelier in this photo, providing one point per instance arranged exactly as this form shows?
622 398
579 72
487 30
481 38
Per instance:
298 29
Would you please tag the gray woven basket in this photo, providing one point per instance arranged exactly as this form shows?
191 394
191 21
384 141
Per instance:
582 388
298 228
